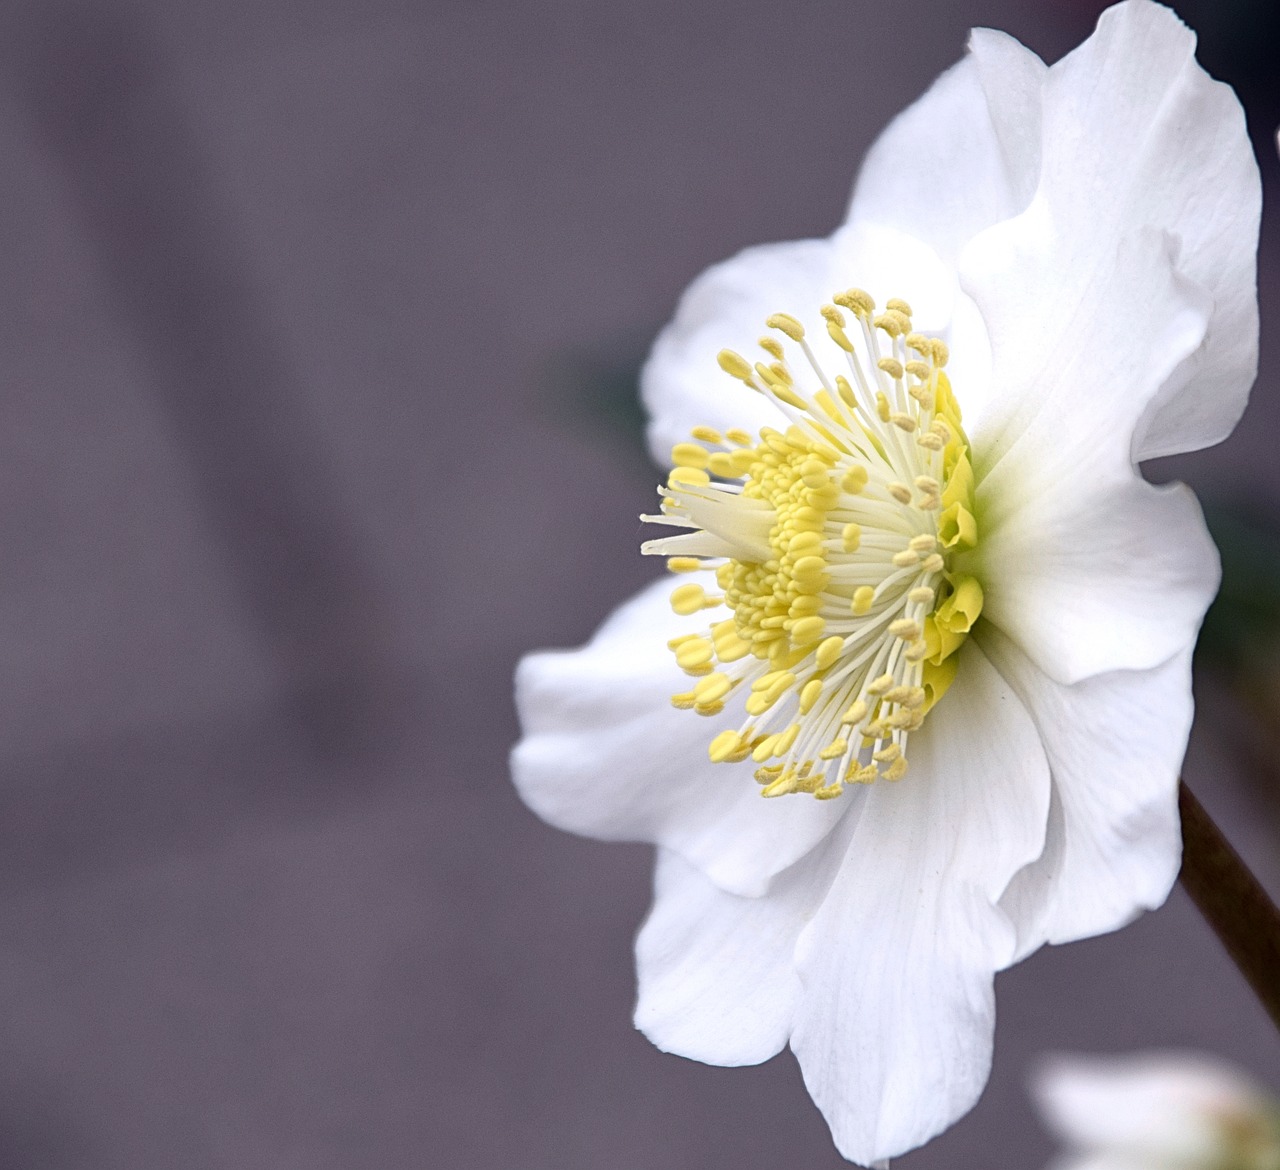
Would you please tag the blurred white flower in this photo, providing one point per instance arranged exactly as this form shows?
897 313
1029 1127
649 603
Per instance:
1076 246
1160 1111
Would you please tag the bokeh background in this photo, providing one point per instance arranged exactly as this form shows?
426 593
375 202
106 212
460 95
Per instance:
318 338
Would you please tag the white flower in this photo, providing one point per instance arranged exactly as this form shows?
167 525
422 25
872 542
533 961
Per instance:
1163 1111
1081 240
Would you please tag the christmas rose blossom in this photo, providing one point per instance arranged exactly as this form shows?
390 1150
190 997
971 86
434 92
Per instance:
924 598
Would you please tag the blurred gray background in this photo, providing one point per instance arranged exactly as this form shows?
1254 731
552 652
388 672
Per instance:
317 343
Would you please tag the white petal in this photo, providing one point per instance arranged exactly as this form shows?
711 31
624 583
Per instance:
717 971
1115 744
605 754
894 1031
975 133
1161 1105
1084 565
1147 113
1135 136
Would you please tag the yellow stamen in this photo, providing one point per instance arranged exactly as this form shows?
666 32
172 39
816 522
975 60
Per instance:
839 544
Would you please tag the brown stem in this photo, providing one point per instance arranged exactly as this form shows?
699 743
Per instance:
1243 917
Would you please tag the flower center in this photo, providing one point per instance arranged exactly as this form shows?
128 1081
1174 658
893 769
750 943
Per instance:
836 545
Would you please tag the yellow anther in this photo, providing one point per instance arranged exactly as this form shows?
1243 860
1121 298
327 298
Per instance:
724 746
916 651
815 473
786 741
706 434
856 713
785 323
897 304
863 775
905 628
904 422
804 542
806 605
735 365
851 537
920 343
766 375
924 543
828 406
764 749
689 455
810 693
712 688
839 336
900 492
778 680
933 564
886 755
680 639
894 322
941 353
807 631
739 436
927 485
856 301
773 347
832 314
855 479
688 599
697 652
906 696
834 750
882 406
723 464
897 769
683 564
906 558
688 477
863 596
809 567
828 652
930 441
921 595
683 701
787 783
891 366
878 686
846 392
919 369
729 644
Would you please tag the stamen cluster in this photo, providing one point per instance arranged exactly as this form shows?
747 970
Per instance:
834 544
